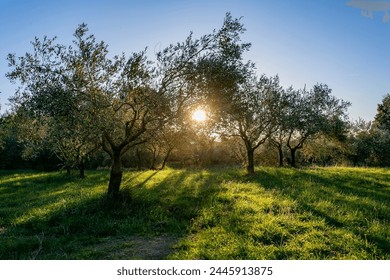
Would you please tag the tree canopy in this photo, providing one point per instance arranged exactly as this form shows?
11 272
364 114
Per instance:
382 117
82 98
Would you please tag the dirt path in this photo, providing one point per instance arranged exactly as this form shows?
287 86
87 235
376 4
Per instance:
143 248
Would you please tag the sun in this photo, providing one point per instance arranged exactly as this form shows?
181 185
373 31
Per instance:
199 115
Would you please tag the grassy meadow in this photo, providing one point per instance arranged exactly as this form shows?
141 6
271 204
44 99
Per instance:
280 213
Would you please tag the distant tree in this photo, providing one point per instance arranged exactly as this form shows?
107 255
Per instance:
369 142
325 150
249 113
382 133
382 117
252 118
312 113
277 140
360 143
15 155
51 120
10 148
381 147
168 139
157 150
282 121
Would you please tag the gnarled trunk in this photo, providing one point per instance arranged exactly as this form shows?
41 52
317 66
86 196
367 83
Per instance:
250 168
293 158
115 176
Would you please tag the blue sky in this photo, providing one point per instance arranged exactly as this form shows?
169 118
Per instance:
304 41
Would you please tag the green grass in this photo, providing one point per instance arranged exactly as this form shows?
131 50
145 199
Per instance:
280 213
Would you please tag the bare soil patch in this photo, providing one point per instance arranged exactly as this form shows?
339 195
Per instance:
137 247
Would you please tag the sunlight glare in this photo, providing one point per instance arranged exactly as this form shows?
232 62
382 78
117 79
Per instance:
199 115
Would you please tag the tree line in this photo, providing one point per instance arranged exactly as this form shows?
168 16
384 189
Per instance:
77 106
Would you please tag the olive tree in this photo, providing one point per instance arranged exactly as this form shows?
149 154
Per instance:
280 115
252 118
48 111
84 98
242 104
311 113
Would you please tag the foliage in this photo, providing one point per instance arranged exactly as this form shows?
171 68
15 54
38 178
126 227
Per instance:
253 117
17 154
382 118
82 99
368 145
325 151
312 113
77 100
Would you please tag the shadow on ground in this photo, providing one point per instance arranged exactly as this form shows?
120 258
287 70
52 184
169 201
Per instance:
73 219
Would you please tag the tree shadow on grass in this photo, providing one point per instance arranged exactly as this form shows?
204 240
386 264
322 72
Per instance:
93 227
352 203
159 209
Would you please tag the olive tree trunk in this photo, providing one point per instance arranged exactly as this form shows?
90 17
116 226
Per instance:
115 175
250 168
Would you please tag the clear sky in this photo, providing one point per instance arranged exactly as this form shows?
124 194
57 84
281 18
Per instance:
304 41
